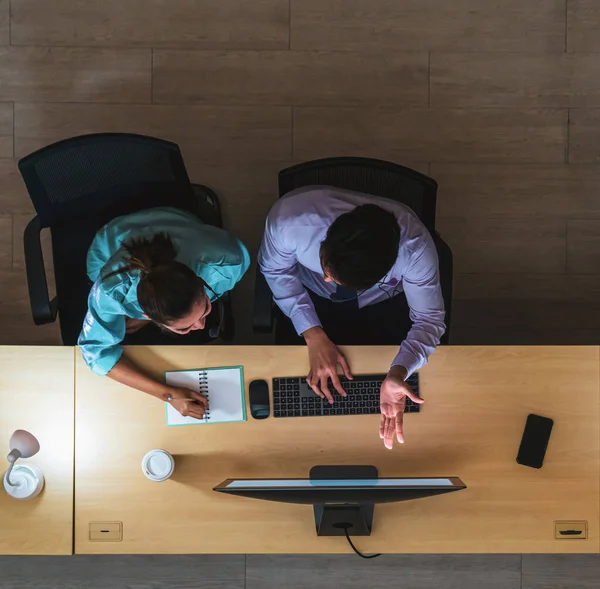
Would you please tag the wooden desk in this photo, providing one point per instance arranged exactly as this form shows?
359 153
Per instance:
37 394
477 400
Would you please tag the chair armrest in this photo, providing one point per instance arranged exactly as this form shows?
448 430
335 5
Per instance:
209 207
43 309
227 331
263 305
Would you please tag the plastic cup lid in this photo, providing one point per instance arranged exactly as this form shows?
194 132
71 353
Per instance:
158 464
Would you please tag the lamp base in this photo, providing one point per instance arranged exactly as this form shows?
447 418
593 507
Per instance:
27 479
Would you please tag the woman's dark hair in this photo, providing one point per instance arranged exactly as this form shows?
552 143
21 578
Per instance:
167 288
361 246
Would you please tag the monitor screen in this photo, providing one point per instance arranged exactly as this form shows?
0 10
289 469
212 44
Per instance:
333 483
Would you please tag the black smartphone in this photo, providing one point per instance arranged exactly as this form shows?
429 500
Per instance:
260 407
535 441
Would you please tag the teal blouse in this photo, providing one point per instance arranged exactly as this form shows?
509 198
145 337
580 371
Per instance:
216 256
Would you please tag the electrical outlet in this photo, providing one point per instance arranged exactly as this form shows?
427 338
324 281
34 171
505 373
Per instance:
570 530
106 531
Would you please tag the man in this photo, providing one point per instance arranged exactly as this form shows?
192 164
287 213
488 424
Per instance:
334 260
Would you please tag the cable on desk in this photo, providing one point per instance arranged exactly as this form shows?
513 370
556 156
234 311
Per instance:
356 550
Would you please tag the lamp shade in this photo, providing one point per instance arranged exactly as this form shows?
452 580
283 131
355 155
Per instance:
23 481
25 443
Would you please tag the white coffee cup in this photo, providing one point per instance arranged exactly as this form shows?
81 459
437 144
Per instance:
158 465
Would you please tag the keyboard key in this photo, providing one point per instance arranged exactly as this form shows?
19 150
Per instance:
291 398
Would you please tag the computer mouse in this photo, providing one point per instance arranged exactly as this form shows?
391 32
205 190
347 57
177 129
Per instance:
260 407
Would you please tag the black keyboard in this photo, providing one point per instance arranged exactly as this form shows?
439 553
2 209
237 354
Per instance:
292 397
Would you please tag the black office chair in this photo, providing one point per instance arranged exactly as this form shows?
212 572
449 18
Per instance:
77 186
370 176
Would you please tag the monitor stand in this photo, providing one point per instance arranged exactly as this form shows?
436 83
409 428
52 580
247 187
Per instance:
330 519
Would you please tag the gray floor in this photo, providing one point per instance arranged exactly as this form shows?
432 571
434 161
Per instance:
513 571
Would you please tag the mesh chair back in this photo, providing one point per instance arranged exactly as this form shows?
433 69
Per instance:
80 184
370 176
110 172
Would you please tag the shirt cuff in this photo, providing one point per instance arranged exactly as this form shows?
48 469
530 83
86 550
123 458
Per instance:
408 361
305 320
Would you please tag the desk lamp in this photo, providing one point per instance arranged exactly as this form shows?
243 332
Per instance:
23 481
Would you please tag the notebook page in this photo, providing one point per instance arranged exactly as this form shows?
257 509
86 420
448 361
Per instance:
225 394
226 391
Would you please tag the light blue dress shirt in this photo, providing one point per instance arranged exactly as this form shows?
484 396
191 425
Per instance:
290 261
215 255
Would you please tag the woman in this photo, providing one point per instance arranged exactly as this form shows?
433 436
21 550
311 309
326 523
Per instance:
160 265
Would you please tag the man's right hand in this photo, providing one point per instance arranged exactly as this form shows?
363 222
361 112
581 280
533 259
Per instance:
189 403
324 357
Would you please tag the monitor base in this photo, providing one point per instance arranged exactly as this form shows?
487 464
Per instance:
333 520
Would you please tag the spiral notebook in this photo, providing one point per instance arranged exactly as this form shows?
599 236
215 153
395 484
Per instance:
224 388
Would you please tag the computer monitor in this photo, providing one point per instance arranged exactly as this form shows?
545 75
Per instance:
343 497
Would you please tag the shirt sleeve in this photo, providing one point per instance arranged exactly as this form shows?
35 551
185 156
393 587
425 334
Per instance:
103 331
278 264
421 283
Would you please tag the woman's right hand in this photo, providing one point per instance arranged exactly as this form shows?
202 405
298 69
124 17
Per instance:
189 403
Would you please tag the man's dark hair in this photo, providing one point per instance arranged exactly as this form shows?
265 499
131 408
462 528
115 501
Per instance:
361 246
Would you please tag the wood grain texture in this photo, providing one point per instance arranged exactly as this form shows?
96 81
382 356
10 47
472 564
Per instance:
584 129
290 77
250 191
505 245
4 22
67 74
124 572
564 571
208 24
515 79
583 246
17 322
583 25
506 509
528 286
212 133
6 241
521 335
6 129
509 314
43 525
13 195
425 572
517 190
463 25
439 135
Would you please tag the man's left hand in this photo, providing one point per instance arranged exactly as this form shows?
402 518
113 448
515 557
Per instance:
392 401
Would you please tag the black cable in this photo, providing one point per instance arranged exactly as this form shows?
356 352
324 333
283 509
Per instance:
356 549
